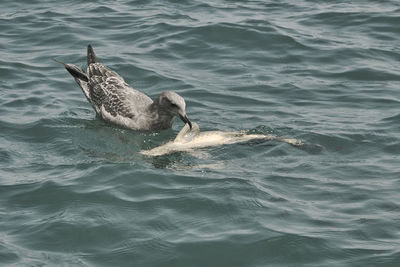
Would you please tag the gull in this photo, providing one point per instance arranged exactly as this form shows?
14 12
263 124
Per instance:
118 103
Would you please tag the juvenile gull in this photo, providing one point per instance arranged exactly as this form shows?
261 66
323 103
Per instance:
116 102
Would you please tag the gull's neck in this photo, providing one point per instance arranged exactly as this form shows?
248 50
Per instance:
161 118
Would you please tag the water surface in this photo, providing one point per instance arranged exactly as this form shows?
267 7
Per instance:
74 191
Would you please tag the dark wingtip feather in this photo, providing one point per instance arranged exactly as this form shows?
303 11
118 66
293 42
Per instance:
91 56
62 63
75 71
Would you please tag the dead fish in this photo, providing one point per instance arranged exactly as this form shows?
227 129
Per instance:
190 139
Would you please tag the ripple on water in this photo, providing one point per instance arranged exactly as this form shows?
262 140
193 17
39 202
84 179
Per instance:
75 191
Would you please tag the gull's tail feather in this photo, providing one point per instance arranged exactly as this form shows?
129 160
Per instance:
91 56
75 71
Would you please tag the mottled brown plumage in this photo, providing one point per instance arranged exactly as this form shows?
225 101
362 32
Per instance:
116 102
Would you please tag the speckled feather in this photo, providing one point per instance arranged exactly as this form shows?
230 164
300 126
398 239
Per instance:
109 90
115 101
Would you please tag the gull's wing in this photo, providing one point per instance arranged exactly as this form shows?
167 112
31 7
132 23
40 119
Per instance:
108 90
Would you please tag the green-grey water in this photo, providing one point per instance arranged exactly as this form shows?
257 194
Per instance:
74 190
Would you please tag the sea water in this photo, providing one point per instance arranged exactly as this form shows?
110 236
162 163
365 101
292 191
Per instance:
74 190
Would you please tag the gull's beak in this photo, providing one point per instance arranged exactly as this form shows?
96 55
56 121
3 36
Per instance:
185 119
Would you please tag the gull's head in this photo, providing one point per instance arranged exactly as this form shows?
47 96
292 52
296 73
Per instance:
174 104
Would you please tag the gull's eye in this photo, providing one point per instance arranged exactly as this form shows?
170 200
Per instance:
174 105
